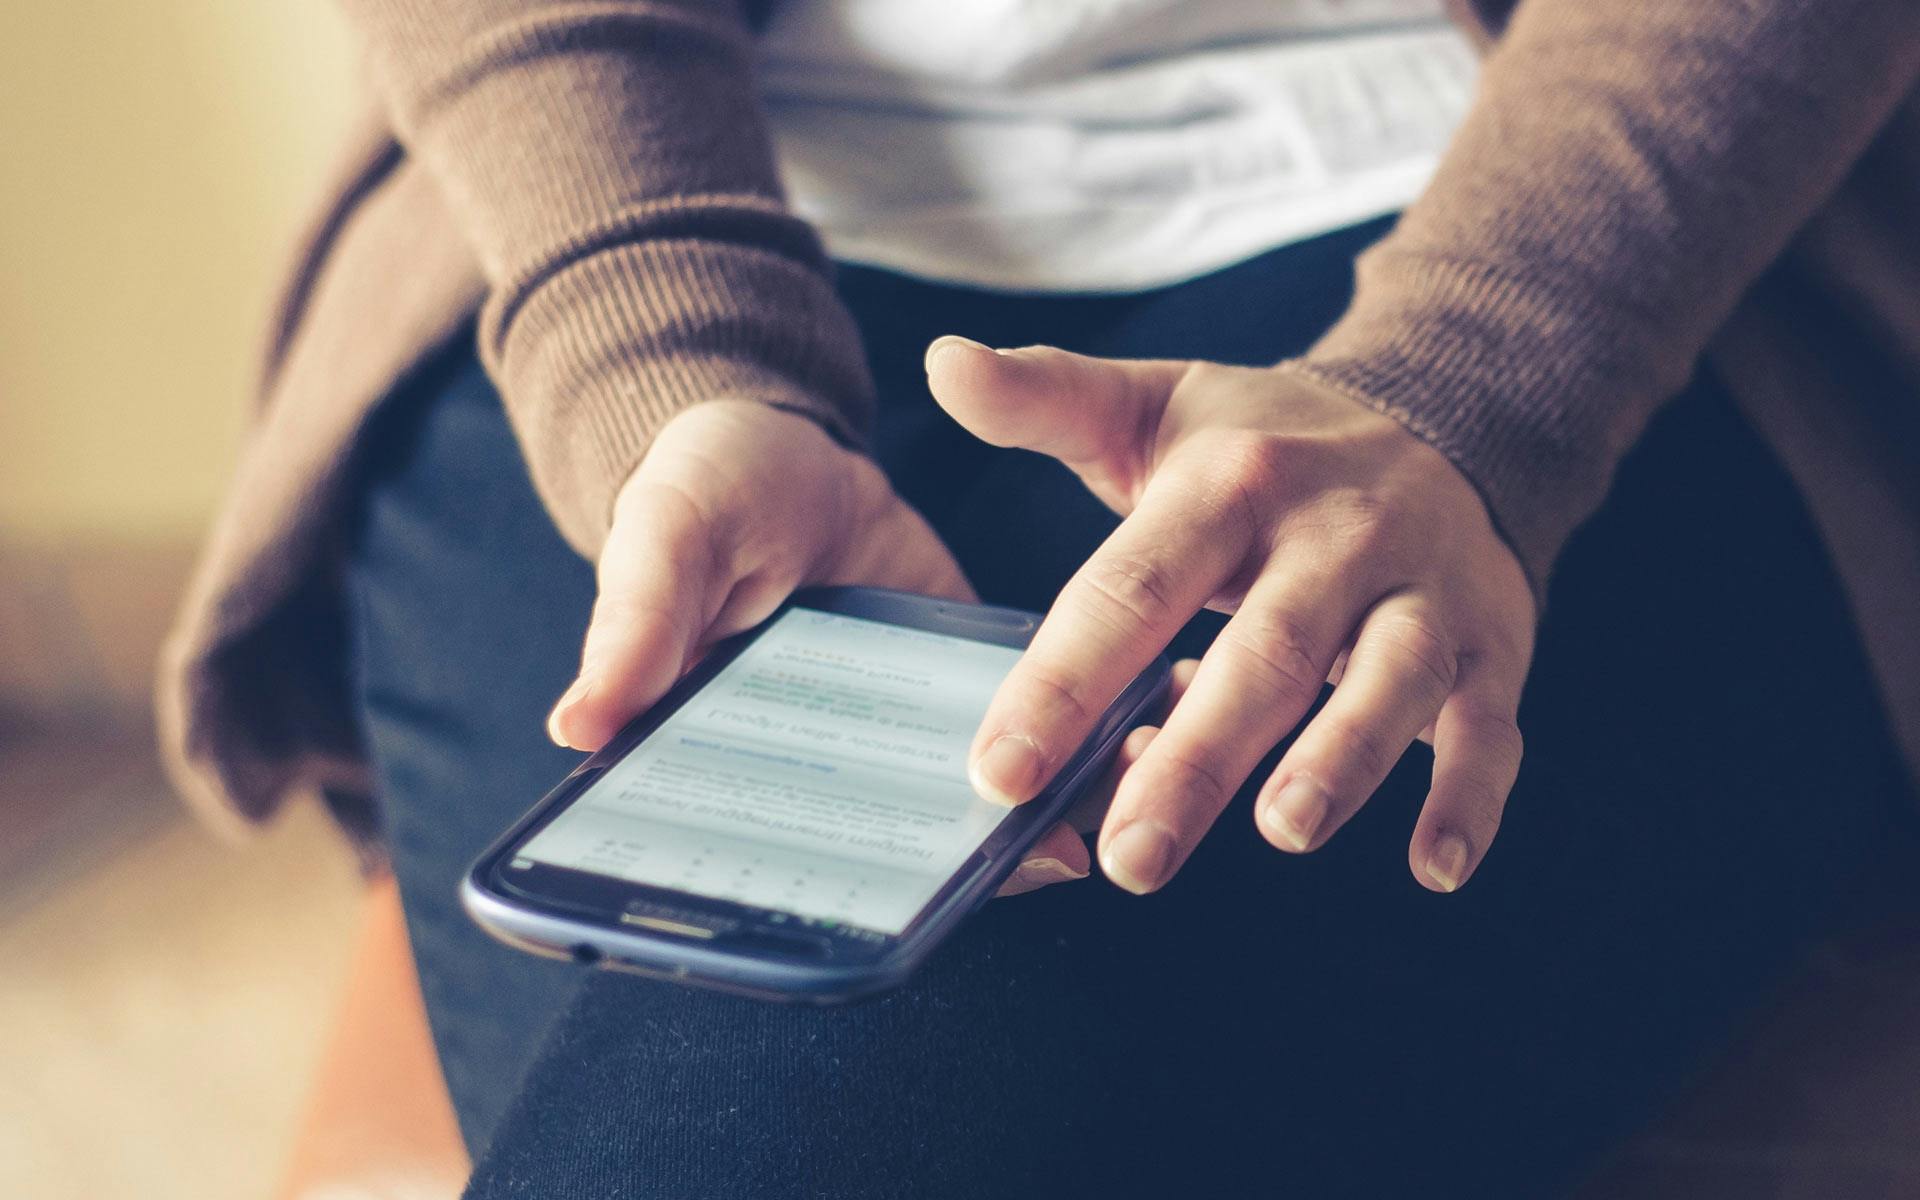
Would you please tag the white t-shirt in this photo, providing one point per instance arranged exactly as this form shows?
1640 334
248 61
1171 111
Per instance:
1103 145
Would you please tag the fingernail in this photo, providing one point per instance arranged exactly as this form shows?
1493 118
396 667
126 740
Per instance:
1296 812
952 341
1009 772
1048 870
1139 857
572 696
1447 862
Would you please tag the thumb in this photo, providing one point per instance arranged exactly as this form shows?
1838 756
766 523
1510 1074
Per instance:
657 574
1081 410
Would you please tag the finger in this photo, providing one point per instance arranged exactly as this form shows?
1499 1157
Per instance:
1076 408
1261 675
1118 611
657 576
1091 809
1055 861
1060 856
1400 672
1179 680
1476 758
1340 668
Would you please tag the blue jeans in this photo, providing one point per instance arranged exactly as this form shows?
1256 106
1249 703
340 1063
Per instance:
1708 786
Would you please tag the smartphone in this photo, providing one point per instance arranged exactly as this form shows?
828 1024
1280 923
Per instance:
792 820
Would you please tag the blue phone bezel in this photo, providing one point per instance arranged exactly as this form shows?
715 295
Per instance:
584 921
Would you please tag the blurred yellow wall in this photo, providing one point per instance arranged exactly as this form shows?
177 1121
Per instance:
154 159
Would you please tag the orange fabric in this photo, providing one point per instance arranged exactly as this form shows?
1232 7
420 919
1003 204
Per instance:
379 1123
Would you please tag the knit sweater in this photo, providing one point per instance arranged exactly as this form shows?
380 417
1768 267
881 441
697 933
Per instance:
596 177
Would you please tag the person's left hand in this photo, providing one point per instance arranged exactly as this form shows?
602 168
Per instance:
1344 547
735 504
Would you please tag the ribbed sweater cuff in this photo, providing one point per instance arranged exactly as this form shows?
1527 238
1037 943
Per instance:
605 351
1531 395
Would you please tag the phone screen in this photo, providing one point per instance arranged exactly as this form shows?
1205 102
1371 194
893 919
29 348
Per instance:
822 773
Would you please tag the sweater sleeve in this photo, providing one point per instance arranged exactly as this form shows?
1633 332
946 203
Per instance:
609 163
1625 173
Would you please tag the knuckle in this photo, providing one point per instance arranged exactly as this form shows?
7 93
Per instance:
664 507
1506 647
1362 748
1133 590
1495 735
1279 651
619 624
1415 645
1192 778
1052 691
1362 508
1368 525
1246 474
1205 375
1355 527
1482 778
1481 771
1251 462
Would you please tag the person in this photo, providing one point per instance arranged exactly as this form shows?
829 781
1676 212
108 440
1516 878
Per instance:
1076 240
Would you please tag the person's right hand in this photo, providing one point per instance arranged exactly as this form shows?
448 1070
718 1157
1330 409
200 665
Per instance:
1345 547
735 505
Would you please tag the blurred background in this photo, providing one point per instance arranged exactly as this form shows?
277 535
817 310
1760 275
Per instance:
162 996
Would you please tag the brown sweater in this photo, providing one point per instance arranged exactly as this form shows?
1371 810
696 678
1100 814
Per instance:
1636 185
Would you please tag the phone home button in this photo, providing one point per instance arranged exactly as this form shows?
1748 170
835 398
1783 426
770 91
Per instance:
680 922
